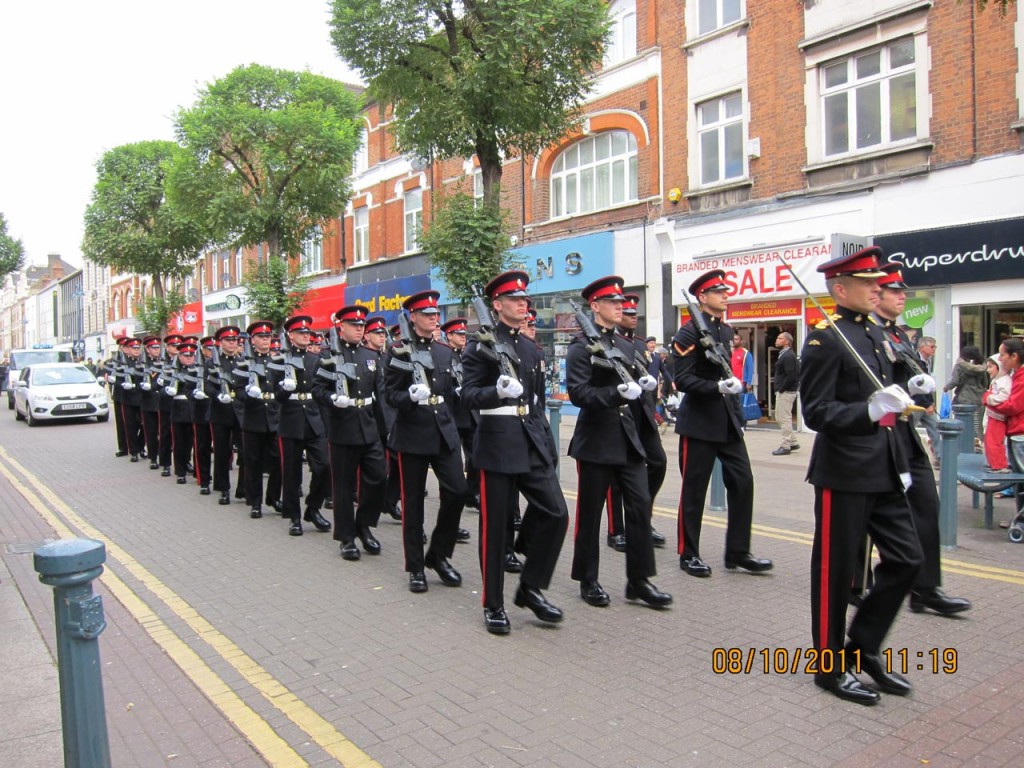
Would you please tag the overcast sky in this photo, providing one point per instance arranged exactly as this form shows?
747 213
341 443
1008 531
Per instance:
82 77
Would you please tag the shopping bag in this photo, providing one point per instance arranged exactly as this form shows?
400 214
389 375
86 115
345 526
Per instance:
748 405
945 407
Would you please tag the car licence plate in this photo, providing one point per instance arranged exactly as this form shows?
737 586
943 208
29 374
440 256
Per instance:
75 406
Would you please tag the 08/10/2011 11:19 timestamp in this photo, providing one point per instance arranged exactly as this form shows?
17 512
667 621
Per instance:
733 661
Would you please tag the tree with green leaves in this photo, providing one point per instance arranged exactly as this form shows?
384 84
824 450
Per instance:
274 290
153 313
132 225
12 252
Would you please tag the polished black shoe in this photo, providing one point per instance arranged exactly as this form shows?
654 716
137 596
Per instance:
369 541
328 503
165 472
888 682
473 502
938 601
748 562
225 498
349 551
277 506
512 564
528 597
445 571
295 529
181 480
848 688
643 590
319 522
462 535
782 451
417 582
120 454
255 513
657 539
593 594
394 512
496 621
134 459
695 567
154 465
617 541
204 491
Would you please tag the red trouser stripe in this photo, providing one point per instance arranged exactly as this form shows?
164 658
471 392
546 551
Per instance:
611 516
680 535
576 529
483 537
826 541
401 493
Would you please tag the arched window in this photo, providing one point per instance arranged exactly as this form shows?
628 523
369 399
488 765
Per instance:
593 174
621 41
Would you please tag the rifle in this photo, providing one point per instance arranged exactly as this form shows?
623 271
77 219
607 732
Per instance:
500 351
604 354
248 367
420 360
343 372
713 350
216 372
138 367
286 361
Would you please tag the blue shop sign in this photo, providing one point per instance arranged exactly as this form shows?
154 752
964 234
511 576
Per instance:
386 296
558 266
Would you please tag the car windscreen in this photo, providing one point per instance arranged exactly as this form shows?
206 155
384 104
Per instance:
27 357
45 377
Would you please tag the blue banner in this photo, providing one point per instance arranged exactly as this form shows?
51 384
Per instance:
386 296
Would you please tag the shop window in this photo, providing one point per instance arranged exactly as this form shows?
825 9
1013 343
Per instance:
311 259
361 236
715 14
413 219
620 44
593 174
720 138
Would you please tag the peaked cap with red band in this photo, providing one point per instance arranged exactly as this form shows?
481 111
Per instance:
455 325
151 341
187 348
424 301
631 302
228 332
709 281
376 324
299 323
512 283
316 338
531 316
396 331
893 276
260 326
131 341
609 287
863 263
173 339
354 314
275 342
208 341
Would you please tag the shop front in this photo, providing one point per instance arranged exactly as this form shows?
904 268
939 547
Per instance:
221 308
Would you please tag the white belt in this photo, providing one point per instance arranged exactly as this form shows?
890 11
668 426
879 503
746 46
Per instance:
362 402
181 397
300 396
506 410
433 400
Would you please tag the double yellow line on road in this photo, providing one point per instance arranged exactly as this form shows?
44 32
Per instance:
275 750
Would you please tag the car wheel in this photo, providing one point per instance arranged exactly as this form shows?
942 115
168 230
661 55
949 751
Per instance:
102 419
18 416
32 420
10 402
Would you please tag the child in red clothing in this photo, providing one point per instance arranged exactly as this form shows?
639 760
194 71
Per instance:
995 422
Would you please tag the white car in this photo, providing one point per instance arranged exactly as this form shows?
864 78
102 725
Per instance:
52 391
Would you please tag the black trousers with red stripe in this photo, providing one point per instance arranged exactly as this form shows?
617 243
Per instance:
151 430
594 481
183 441
349 462
203 447
291 473
412 468
655 479
259 455
842 520
132 416
696 462
547 519
227 439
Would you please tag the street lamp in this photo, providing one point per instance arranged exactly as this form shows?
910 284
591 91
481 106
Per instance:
78 343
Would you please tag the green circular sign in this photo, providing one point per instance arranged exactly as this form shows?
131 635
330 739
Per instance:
232 302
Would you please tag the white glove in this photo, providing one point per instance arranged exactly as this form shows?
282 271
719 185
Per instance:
199 394
922 384
341 401
145 386
508 387
647 383
170 391
630 391
458 391
224 398
419 392
254 391
730 386
127 385
288 384
892 399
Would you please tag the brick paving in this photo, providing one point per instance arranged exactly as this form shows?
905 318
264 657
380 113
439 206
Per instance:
415 680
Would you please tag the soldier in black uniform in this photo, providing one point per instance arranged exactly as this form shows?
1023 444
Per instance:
607 448
225 427
182 390
202 431
163 380
513 454
259 418
113 375
710 426
375 338
129 379
859 474
300 428
921 495
424 436
150 406
465 420
351 395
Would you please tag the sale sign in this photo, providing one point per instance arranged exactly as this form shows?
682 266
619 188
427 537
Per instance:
760 275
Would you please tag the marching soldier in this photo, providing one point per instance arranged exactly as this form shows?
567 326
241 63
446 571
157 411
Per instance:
163 380
418 381
259 419
300 427
150 405
224 408
113 375
202 440
375 338
182 390
709 426
350 384
131 396
858 474
607 448
513 454
465 420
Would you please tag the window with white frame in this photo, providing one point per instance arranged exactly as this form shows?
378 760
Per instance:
478 186
225 270
361 161
714 14
720 138
593 174
311 259
621 41
413 218
361 235
238 265
869 99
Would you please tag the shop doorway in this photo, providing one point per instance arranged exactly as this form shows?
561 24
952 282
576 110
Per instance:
986 327
759 339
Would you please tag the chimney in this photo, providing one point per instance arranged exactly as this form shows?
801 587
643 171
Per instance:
55 265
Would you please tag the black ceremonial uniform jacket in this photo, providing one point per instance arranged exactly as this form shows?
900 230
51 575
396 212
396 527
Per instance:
909 440
257 414
182 403
298 409
465 419
421 428
645 407
357 425
223 413
705 413
605 428
851 453
503 441
384 412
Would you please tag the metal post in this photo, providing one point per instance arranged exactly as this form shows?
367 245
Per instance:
69 566
555 420
965 415
949 436
717 489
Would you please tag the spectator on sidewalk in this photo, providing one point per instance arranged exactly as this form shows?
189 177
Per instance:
968 382
928 418
995 422
742 362
787 382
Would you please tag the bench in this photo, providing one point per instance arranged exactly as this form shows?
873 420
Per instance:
971 472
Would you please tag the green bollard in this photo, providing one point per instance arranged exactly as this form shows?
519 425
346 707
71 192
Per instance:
69 566
717 489
949 436
965 415
555 420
